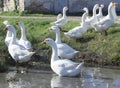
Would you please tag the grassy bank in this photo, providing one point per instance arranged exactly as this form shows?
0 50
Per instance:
95 49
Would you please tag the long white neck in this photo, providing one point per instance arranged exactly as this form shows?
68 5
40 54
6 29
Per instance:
84 16
110 14
58 38
64 13
9 34
100 11
23 35
114 13
13 40
94 12
54 56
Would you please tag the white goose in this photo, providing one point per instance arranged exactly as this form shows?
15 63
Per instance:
62 67
18 52
107 21
64 50
63 20
23 40
93 19
100 14
78 31
9 33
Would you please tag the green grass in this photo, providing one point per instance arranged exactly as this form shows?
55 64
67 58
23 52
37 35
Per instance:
107 48
14 13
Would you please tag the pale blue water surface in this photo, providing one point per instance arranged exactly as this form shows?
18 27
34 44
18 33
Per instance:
90 78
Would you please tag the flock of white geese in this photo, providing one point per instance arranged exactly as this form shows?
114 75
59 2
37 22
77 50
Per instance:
21 49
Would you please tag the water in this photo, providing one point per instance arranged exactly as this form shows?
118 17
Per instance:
91 78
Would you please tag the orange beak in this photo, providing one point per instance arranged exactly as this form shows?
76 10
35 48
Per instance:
43 42
16 23
115 3
5 29
50 29
99 5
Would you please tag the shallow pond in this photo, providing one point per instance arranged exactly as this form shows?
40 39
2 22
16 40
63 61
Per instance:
90 78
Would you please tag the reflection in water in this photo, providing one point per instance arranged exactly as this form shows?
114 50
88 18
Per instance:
19 84
65 82
116 83
11 76
14 82
91 78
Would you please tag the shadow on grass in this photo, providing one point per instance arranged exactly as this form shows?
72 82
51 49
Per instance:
84 40
114 31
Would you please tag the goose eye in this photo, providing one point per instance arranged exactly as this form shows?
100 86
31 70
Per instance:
47 40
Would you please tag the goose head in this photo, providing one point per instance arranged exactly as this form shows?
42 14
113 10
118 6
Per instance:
55 29
6 23
112 4
48 41
102 6
59 16
65 8
85 9
8 26
20 24
96 6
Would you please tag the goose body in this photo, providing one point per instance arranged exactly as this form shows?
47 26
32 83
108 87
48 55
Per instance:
62 67
64 50
78 31
107 21
62 20
23 40
93 19
17 51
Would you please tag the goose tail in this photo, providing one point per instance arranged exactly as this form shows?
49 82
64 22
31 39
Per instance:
26 57
80 65
67 34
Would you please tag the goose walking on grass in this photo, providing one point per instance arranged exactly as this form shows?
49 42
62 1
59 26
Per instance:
62 20
93 19
62 67
23 40
107 21
17 51
64 50
78 31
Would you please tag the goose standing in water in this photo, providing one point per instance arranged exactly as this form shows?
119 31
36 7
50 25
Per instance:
62 67
23 40
64 50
